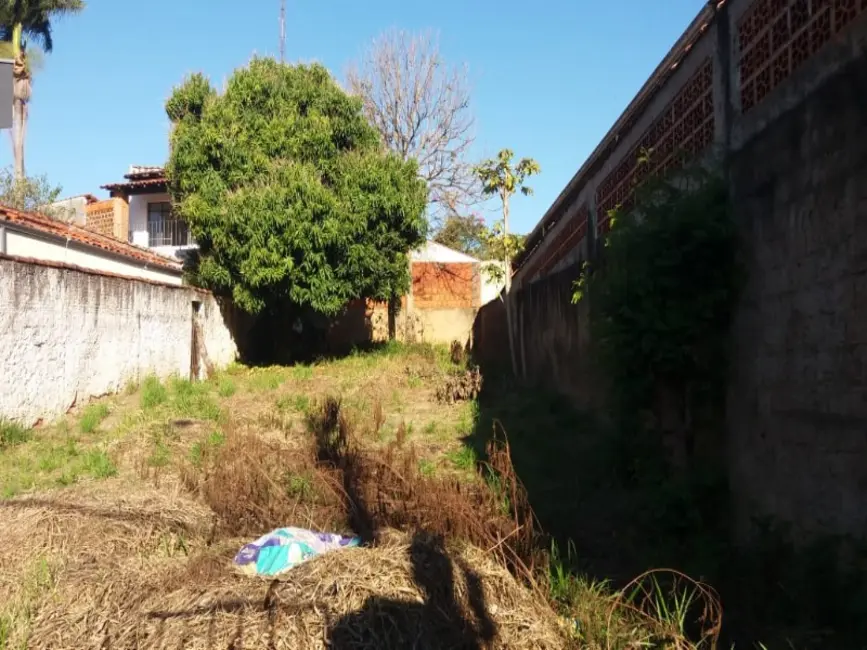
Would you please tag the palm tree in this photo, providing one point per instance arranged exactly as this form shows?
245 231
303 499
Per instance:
21 20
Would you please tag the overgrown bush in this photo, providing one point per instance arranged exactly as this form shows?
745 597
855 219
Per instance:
661 304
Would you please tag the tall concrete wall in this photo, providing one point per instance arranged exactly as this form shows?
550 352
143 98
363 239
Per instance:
798 399
789 82
69 335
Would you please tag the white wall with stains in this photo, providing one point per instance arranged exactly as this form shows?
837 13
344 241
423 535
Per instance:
67 336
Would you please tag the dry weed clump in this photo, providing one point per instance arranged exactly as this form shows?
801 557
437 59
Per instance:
385 489
458 353
335 483
460 387
254 485
408 591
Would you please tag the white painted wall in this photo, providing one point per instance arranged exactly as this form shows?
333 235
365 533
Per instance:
71 210
491 288
432 251
37 245
67 336
138 216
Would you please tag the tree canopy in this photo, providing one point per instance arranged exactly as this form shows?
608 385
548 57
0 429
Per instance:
289 192
471 235
421 106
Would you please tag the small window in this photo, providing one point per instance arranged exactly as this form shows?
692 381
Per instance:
163 228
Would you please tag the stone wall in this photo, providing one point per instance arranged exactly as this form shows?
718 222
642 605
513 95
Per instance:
70 335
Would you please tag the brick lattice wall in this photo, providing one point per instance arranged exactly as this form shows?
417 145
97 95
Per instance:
445 285
685 127
776 36
772 39
100 217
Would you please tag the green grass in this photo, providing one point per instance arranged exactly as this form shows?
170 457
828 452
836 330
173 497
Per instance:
463 458
13 433
469 419
299 486
427 467
18 609
226 387
199 450
92 416
197 454
414 381
235 369
216 439
98 465
301 372
58 455
298 403
153 393
193 400
160 455
55 459
265 379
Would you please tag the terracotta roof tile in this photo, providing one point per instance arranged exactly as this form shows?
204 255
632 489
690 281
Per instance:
86 237
136 184
144 171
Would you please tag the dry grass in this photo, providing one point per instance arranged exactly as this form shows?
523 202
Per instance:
402 593
332 481
142 556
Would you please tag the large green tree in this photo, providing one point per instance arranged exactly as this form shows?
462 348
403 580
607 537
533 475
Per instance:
23 21
289 192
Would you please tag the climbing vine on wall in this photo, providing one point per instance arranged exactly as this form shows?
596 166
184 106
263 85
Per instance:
661 304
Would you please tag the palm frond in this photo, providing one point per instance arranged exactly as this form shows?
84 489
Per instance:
36 17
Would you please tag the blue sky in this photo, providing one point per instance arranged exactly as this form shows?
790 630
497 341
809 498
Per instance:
550 77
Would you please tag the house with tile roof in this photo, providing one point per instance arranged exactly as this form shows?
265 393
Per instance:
36 238
151 222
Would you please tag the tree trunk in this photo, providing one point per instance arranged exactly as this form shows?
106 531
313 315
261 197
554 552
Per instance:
18 138
507 298
20 97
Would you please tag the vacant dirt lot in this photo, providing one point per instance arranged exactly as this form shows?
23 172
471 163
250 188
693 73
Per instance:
118 524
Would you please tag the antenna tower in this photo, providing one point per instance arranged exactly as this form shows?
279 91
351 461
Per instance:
282 31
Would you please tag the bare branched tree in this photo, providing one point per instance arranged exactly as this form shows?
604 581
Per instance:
421 106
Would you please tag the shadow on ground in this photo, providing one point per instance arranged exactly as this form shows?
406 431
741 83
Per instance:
575 469
561 456
435 623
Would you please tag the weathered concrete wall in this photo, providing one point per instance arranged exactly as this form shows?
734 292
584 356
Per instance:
444 325
67 336
789 94
553 338
798 399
